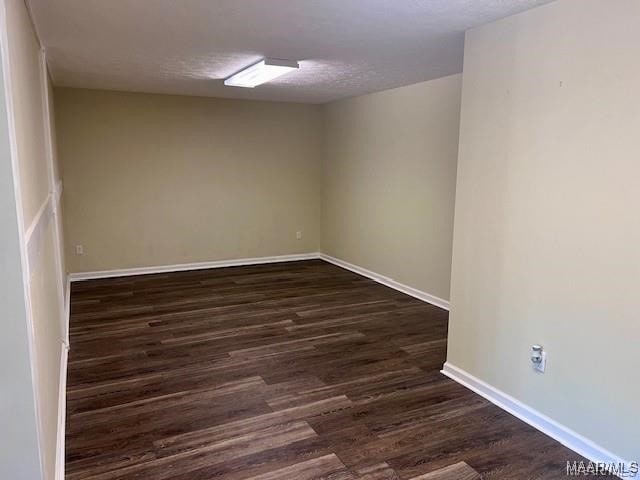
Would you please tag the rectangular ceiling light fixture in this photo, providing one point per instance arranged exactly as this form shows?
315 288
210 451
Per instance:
261 72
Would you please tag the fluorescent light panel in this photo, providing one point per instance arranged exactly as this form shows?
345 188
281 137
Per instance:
261 72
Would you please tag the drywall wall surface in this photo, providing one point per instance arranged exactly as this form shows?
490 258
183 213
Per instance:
24 58
155 180
546 224
19 457
33 174
389 182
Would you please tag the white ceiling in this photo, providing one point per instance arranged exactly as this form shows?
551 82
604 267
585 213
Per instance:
345 47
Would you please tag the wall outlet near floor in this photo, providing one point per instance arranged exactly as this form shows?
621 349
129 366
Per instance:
79 250
538 358
299 235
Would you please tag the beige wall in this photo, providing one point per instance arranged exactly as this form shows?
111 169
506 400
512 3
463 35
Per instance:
56 184
389 182
28 108
547 233
46 308
34 173
159 180
19 450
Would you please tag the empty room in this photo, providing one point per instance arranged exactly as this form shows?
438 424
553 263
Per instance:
304 239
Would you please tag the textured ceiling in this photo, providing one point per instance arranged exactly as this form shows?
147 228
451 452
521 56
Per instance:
345 47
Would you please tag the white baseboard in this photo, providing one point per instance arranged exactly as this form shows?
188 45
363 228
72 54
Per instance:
67 312
389 282
567 437
414 292
62 413
126 272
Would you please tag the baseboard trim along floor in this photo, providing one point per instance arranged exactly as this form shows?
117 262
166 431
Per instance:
537 420
389 282
382 279
62 409
181 267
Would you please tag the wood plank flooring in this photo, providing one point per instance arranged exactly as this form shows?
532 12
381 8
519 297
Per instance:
297 371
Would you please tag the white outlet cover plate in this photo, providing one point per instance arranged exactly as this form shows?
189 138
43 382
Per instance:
542 366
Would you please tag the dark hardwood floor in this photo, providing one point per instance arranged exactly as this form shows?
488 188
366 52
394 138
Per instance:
295 371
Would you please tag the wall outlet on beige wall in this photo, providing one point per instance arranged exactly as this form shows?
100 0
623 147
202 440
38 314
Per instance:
299 235
79 250
538 358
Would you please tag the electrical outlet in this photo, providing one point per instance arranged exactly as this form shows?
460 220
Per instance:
79 250
542 365
538 358
299 235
